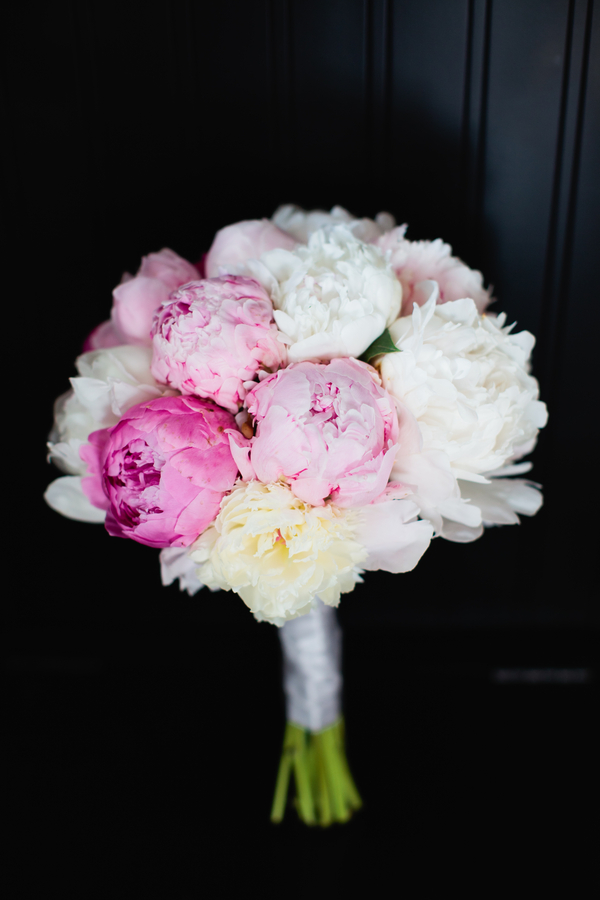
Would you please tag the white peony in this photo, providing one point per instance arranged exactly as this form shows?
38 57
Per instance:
498 503
331 298
463 379
176 563
278 552
300 224
109 383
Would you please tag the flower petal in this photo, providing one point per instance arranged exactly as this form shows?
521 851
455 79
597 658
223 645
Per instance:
65 495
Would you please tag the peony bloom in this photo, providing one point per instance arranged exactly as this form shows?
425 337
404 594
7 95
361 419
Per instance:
109 383
136 300
278 552
162 471
213 337
244 240
500 502
301 224
168 267
330 431
462 380
331 298
177 565
418 261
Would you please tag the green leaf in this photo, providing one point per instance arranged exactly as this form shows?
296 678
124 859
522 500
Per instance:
382 344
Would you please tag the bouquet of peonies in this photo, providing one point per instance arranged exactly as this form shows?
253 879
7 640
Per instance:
318 397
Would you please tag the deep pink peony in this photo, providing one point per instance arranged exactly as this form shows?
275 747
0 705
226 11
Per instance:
136 300
331 431
418 261
212 338
245 240
162 470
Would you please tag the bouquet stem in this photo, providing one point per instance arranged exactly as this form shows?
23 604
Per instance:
313 744
325 790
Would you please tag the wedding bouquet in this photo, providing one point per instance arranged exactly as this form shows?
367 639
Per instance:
320 396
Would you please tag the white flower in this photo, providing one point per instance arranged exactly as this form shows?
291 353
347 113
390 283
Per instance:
176 563
331 298
464 378
497 503
278 552
111 381
301 224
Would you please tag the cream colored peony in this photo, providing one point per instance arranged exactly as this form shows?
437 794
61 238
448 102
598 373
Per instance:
331 298
278 552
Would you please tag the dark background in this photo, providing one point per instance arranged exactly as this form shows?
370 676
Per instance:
146 725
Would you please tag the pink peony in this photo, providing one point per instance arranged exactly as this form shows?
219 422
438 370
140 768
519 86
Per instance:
213 337
245 240
417 261
329 430
168 267
162 470
136 300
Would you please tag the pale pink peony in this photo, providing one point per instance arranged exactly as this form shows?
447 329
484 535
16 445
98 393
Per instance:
162 470
242 241
136 300
103 337
330 431
418 261
168 267
212 338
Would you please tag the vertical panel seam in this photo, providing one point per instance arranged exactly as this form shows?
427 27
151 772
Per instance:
368 81
577 145
480 165
465 154
548 329
290 66
388 45
559 258
270 46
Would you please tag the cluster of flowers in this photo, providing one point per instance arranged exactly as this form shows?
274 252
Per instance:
319 397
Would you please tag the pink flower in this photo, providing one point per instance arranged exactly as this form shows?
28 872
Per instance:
136 300
162 470
417 261
168 267
329 430
213 337
245 240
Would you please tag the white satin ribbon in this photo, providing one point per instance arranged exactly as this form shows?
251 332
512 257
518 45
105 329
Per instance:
312 677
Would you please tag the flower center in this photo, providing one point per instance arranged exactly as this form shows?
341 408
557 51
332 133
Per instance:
138 477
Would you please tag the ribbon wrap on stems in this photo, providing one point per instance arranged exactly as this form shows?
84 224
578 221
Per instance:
313 746
312 677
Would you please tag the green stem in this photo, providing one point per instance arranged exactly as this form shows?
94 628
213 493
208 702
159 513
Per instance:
283 777
325 789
